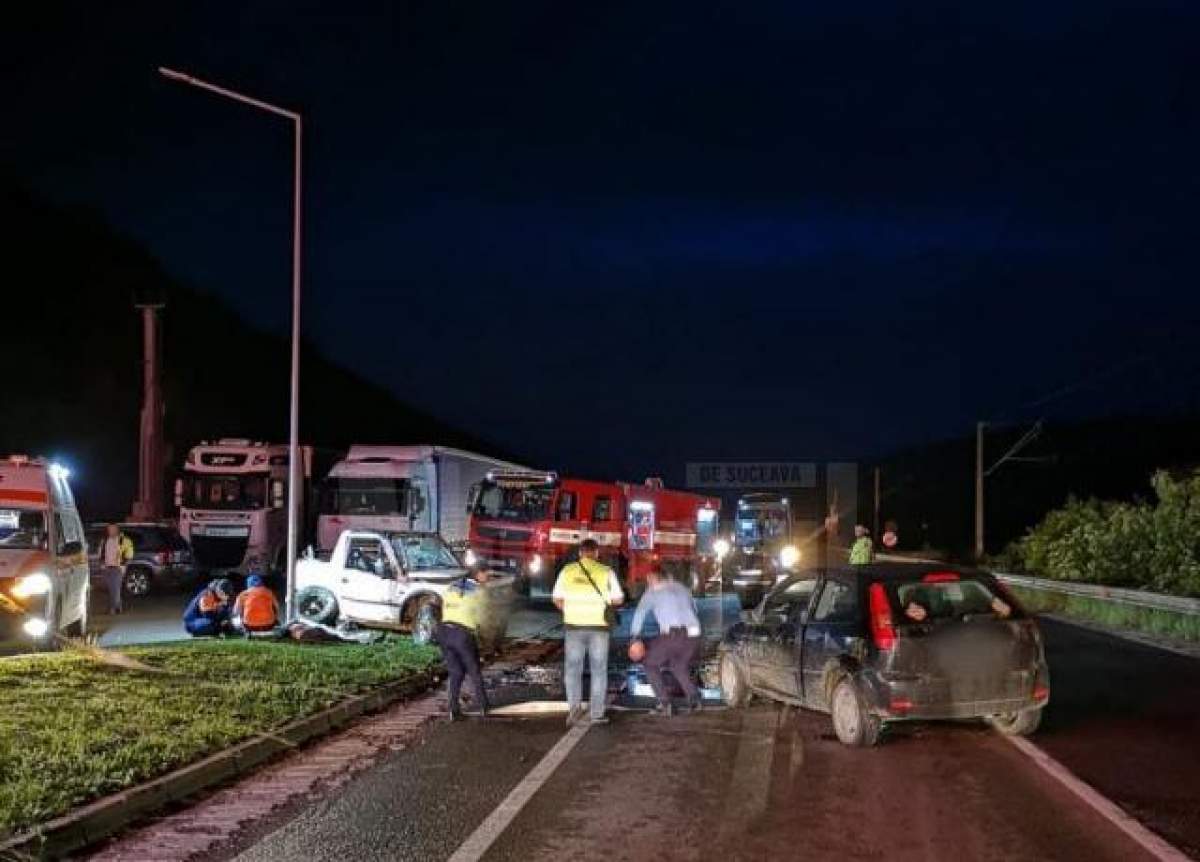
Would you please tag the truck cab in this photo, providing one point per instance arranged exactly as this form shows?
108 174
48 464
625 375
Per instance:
44 587
232 500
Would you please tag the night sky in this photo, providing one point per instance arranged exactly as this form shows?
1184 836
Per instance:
619 237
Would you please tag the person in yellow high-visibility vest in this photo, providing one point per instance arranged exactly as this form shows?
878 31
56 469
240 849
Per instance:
584 592
462 606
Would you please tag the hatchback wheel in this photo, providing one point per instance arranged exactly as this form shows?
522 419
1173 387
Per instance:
1018 723
734 688
852 722
137 581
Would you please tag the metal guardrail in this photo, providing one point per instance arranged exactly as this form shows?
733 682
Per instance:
1117 595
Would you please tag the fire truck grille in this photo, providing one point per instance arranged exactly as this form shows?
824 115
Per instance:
219 552
504 534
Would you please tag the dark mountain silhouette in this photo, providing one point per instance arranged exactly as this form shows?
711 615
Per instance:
1109 458
72 383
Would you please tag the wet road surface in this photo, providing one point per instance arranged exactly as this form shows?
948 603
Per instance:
746 784
722 785
1125 718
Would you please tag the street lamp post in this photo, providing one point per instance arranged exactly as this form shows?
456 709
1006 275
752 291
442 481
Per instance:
294 474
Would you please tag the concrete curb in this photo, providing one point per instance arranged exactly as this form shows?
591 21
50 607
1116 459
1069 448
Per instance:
97 820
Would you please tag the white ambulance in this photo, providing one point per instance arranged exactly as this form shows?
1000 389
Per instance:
43 554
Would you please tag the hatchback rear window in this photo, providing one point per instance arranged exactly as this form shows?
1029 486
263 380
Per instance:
935 599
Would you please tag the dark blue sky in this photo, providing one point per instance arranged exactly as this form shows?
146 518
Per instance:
783 231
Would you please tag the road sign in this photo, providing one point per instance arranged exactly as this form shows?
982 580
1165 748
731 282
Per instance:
752 474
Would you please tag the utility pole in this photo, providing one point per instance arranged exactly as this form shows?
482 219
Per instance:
979 426
981 473
295 468
875 533
149 503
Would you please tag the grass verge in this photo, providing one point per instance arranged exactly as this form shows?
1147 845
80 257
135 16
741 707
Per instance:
73 728
1152 621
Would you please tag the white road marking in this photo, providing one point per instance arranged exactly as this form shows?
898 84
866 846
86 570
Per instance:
1157 847
490 829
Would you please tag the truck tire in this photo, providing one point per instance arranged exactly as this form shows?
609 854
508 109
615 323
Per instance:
426 616
137 581
1021 723
852 721
317 605
735 689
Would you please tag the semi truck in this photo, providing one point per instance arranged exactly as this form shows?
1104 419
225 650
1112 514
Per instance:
529 524
232 500
401 488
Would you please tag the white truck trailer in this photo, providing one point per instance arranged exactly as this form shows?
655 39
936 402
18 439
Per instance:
414 488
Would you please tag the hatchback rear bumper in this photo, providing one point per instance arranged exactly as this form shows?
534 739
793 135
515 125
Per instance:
944 699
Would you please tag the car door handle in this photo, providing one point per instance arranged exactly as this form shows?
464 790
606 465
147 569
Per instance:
345 580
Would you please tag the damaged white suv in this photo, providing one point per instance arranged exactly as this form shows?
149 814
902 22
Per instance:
379 580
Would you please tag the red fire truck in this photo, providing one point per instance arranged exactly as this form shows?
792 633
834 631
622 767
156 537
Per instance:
530 524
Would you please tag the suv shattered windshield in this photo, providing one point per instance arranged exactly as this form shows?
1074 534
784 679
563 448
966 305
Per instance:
424 552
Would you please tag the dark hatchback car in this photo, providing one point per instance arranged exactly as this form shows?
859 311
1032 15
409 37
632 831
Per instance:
161 556
883 643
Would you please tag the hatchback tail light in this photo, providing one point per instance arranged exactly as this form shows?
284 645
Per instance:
883 632
1041 692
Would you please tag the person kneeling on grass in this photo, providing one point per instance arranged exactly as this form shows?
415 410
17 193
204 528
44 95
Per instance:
207 614
256 609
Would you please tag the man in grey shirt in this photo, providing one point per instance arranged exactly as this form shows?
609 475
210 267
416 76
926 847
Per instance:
678 641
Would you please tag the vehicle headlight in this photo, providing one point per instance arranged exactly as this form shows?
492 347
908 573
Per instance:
36 627
469 557
789 556
37 584
535 564
721 548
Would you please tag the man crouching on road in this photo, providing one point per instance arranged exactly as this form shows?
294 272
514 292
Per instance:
462 607
678 641
584 592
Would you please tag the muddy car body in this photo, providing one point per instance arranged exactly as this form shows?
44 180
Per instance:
883 643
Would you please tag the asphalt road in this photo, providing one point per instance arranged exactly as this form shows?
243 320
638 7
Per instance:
743 784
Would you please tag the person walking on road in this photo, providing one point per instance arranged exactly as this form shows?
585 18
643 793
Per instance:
863 549
462 608
586 592
678 642
115 551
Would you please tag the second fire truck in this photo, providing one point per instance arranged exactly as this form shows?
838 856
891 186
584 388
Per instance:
530 525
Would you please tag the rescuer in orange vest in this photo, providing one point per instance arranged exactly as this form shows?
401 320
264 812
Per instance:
256 608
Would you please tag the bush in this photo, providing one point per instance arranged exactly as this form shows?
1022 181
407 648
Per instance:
1153 545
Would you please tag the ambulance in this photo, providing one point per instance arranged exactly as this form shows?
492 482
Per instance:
43 554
